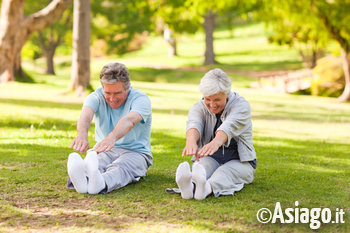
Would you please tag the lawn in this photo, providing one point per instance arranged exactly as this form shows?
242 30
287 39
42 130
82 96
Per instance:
302 146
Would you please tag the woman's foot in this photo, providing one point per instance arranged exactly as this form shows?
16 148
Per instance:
184 180
203 188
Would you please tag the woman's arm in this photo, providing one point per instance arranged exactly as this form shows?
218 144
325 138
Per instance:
213 146
191 148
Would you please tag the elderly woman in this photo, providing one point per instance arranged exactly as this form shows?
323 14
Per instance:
219 137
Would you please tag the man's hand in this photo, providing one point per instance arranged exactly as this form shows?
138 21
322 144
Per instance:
105 145
80 144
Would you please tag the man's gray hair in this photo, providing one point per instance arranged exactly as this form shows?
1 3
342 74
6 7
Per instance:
215 81
115 72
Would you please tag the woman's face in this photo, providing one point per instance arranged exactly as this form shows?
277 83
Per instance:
216 103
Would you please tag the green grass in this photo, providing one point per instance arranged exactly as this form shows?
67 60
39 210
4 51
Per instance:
247 50
301 142
302 146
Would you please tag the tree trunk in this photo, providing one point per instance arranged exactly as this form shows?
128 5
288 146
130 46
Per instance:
346 62
209 26
49 54
11 16
313 59
18 66
172 50
80 78
48 46
171 39
15 29
345 50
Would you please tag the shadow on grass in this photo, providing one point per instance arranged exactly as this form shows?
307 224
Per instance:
165 75
261 66
171 111
296 113
303 117
253 53
41 103
46 123
24 77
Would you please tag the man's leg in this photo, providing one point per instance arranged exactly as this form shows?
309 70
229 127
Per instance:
96 181
129 166
77 173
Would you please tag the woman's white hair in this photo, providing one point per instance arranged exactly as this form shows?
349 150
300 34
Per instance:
215 81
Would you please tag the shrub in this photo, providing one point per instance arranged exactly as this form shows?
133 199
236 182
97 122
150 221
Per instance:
329 79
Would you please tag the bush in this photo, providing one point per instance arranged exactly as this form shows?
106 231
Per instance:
329 79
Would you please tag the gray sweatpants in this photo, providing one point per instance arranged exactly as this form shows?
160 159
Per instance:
120 167
227 178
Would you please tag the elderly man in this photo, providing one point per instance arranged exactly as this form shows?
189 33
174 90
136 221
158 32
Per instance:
123 119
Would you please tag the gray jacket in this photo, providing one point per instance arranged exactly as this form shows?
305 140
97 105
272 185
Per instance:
236 123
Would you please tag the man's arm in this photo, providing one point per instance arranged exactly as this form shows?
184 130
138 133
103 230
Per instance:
81 142
124 125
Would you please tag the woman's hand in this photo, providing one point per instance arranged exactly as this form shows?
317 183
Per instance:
213 146
209 149
191 148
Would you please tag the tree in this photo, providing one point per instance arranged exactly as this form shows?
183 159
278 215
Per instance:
15 30
309 41
119 22
80 78
335 17
207 12
174 18
330 17
209 27
48 39
52 37
170 37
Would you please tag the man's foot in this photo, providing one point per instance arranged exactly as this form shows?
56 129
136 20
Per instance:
184 181
76 172
203 188
96 181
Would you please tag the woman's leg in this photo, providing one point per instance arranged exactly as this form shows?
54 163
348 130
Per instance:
201 171
184 180
231 177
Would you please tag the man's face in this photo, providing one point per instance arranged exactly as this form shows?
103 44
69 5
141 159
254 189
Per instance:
216 103
115 94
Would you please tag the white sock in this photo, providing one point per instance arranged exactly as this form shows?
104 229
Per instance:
184 181
203 188
77 173
96 181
